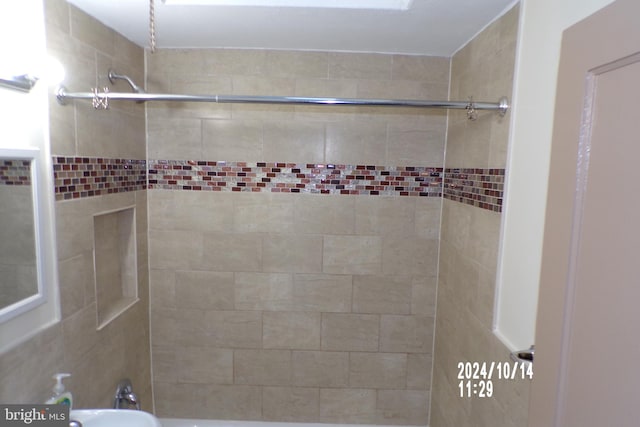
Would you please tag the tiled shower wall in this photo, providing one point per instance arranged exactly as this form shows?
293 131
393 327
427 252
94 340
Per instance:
97 359
272 303
469 243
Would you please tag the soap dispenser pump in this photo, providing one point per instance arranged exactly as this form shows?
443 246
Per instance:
60 396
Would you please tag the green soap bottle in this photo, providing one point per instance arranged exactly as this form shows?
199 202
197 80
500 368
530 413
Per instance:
60 396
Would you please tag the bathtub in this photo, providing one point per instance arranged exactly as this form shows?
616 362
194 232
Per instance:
186 422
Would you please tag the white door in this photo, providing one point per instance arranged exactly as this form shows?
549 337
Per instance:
587 364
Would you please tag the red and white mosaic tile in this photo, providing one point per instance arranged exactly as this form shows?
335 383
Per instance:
15 172
78 177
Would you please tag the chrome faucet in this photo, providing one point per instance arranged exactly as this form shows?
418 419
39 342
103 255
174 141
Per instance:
125 397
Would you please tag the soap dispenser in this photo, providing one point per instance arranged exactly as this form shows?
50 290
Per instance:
59 396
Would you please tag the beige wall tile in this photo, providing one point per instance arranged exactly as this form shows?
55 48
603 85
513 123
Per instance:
231 252
74 220
180 400
91 31
208 401
350 332
386 216
325 88
232 329
406 334
232 61
468 252
190 210
162 290
263 86
320 369
264 291
291 330
177 61
174 138
322 292
416 145
171 327
401 89
25 373
352 254
57 15
324 215
419 368
402 407
262 367
79 332
293 141
356 143
352 406
206 290
96 135
77 286
165 368
189 83
382 294
428 217
74 345
247 137
429 68
204 365
409 256
264 212
378 370
233 402
298 65
292 253
175 249
423 295
291 325
291 404
359 66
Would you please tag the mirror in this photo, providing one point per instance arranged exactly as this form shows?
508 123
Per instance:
20 287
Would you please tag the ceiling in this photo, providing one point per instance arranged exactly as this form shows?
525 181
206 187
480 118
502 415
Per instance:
428 27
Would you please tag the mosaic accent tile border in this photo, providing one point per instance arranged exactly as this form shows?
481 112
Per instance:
15 172
78 177
295 178
482 188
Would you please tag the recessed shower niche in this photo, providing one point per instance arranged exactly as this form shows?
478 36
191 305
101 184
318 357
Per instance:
115 263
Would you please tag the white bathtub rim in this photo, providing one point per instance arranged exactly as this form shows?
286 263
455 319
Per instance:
195 422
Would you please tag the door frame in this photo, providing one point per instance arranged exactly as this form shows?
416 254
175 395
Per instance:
556 295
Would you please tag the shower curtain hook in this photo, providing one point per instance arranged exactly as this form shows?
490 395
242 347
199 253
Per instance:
472 113
100 100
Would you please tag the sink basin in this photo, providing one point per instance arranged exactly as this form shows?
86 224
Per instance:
114 417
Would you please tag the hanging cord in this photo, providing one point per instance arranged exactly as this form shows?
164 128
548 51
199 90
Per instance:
152 26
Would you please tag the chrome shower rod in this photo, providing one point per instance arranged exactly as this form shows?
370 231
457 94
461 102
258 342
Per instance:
102 98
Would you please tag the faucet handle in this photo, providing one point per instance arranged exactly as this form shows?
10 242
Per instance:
124 393
74 423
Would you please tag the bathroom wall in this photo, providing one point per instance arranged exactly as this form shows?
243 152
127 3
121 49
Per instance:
293 249
469 239
99 162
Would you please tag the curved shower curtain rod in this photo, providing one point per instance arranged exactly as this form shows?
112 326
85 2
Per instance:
101 99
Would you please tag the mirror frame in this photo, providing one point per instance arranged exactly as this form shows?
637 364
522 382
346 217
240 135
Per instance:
40 297
28 317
